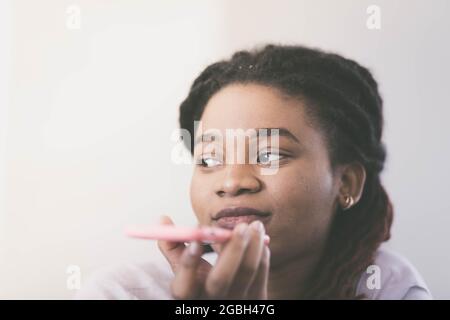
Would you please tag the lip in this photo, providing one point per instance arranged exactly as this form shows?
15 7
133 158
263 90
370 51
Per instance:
239 211
228 218
231 222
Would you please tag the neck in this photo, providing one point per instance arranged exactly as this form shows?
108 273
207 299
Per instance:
290 279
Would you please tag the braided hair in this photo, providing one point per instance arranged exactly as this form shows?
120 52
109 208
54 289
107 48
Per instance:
343 100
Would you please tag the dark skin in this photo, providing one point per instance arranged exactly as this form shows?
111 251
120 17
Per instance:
302 198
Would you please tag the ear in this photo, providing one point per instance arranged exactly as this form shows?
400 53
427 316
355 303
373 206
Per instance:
352 179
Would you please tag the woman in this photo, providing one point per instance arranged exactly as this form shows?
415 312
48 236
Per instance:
324 209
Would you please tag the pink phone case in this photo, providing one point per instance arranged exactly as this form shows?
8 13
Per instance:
181 233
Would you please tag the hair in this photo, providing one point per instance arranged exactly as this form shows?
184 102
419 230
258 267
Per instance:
344 101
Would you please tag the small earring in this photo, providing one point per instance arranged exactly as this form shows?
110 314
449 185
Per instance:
348 202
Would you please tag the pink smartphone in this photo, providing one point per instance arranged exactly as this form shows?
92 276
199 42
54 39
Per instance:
182 234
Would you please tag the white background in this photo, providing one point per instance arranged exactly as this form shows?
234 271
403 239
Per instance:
87 114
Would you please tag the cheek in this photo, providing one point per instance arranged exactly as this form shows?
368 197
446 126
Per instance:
302 203
199 195
302 191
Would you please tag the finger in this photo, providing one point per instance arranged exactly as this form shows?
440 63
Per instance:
186 284
258 289
171 250
222 274
250 262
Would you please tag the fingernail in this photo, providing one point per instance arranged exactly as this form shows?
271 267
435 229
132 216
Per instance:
194 248
163 219
257 225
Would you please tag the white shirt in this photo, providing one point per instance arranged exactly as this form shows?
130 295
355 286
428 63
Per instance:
150 280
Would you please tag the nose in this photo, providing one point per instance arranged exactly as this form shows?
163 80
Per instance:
238 179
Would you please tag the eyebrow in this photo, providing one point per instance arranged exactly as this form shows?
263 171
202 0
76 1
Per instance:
282 132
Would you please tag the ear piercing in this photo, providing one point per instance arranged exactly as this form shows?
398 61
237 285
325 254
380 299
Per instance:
250 66
349 201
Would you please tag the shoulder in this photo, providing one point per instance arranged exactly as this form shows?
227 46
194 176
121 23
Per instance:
140 280
392 277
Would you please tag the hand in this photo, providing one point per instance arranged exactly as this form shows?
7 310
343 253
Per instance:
240 272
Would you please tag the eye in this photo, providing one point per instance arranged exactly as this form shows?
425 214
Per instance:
208 162
267 157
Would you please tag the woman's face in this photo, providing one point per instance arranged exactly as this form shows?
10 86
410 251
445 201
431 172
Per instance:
301 196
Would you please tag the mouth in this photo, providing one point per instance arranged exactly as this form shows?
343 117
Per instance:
228 218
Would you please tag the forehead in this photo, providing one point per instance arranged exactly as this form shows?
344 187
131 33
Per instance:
247 106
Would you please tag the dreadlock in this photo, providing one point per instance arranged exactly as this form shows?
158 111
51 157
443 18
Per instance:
344 102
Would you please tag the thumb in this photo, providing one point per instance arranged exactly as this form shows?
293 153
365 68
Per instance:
172 251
